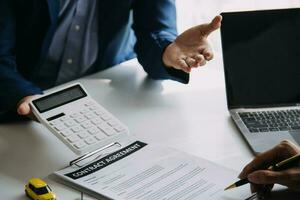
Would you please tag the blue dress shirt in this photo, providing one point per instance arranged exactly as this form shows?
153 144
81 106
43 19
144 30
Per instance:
74 46
126 29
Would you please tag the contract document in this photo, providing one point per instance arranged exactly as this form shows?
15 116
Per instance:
140 171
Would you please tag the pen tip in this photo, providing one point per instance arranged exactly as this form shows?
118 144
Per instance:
230 187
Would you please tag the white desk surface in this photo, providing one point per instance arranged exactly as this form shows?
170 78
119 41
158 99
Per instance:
192 118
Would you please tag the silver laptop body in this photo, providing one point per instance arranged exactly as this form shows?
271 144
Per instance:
261 54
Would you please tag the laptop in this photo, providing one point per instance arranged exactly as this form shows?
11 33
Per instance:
261 54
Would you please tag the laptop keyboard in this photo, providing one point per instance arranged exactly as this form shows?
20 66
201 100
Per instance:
270 121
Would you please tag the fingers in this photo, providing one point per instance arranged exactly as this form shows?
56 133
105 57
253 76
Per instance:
290 178
264 191
208 54
215 24
257 173
195 61
188 63
206 50
264 160
200 59
261 190
24 108
183 66
191 62
264 177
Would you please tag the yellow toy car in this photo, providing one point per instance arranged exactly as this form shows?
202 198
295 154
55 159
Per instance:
37 189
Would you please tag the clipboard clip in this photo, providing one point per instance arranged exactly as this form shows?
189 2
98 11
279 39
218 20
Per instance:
90 154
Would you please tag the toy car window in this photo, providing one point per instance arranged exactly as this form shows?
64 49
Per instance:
41 191
31 187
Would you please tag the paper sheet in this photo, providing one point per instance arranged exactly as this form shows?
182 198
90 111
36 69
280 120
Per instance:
150 172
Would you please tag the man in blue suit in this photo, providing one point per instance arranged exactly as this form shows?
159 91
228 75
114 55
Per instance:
44 43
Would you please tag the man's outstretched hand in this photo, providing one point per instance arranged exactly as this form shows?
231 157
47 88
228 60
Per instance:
191 49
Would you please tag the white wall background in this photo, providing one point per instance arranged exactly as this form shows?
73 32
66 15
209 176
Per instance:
194 12
191 12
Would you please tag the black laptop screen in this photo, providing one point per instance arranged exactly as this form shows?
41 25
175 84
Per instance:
261 52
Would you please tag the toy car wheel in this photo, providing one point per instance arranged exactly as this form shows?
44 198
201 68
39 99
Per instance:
28 195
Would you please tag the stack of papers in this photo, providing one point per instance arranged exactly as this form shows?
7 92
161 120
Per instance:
139 171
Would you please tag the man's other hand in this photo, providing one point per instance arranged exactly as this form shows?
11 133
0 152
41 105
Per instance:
191 49
263 180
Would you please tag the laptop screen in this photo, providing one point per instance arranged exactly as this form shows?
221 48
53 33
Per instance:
261 52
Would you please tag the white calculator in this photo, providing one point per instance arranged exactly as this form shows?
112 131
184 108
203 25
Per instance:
77 119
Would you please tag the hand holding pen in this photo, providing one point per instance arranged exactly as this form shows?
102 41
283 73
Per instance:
262 177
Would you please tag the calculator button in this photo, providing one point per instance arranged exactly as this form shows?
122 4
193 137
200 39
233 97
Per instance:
90 140
86 124
59 127
64 118
66 132
99 112
100 136
105 117
90 103
83 134
119 128
110 132
84 111
75 115
112 123
55 122
97 121
79 145
94 107
73 138
90 115
70 123
80 119
77 128
107 129
93 130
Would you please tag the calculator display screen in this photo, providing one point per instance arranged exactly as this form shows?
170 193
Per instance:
59 98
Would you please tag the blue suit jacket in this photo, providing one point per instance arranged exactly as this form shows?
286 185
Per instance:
127 28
